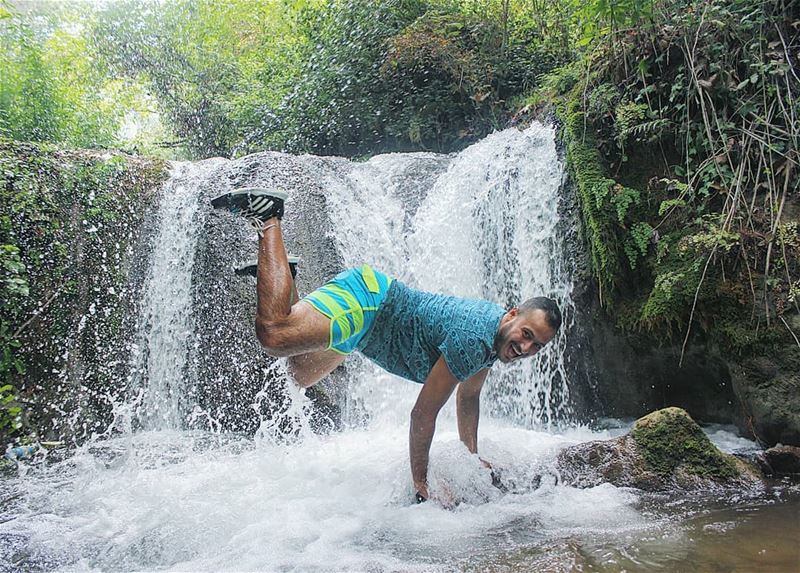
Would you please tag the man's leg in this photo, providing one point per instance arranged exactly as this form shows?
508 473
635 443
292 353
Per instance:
308 369
283 328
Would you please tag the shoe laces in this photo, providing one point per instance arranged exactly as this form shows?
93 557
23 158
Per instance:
259 225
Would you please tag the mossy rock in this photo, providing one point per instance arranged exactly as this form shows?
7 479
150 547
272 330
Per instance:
74 220
669 441
665 450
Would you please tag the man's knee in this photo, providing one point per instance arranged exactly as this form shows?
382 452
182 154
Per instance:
272 336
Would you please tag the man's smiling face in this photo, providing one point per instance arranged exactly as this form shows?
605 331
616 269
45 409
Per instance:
522 333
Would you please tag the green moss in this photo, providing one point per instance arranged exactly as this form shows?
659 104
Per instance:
70 216
669 439
737 332
594 188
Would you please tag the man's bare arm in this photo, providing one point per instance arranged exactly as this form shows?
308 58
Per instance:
432 397
468 408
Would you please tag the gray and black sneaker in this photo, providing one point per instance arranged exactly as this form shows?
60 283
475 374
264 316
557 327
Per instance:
253 203
250 268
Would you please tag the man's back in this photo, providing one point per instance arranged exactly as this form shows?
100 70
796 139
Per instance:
413 328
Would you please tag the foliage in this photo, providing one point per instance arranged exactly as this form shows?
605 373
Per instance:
67 223
681 132
13 288
328 76
331 76
51 88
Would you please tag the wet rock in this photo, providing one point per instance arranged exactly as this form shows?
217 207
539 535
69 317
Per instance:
665 450
631 374
76 218
768 388
231 370
783 460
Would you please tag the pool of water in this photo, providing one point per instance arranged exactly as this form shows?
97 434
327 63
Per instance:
195 501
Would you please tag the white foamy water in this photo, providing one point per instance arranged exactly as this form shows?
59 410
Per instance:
165 325
189 502
168 499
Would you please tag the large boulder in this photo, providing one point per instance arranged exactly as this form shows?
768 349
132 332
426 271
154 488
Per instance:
782 461
665 450
768 388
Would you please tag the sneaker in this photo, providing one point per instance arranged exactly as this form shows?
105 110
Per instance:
250 268
256 203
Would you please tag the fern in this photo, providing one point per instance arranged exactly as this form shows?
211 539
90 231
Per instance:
638 242
653 129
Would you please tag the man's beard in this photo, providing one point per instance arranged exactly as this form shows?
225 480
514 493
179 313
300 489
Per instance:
500 340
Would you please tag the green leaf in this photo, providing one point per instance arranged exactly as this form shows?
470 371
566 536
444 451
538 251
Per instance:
670 204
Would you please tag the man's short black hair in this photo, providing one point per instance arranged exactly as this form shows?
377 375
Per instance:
548 305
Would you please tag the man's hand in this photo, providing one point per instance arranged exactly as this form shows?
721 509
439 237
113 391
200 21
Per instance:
495 477
434 394
443 496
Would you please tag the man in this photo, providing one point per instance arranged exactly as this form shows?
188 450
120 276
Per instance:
442 342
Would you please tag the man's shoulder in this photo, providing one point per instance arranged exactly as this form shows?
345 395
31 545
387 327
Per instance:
471 313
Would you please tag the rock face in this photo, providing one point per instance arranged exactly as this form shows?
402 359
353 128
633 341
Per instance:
665 450
630 374
76 218
783 461
768 389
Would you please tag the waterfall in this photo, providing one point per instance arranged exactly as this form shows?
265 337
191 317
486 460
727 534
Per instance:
485 224
482 223
165 328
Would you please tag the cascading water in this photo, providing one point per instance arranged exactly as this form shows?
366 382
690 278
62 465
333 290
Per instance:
488 227
165 329
483 223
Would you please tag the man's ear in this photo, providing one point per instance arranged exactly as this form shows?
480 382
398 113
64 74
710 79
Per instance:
509 315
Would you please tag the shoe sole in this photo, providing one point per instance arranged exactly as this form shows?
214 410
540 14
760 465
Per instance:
225 201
